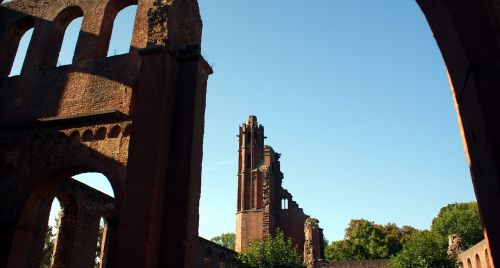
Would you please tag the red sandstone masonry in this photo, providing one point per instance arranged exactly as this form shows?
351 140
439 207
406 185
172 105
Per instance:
137 118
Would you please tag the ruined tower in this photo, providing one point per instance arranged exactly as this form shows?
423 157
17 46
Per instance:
263 206
251 147
249 204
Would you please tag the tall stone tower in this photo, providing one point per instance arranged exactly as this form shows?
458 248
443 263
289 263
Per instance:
251 148
263 204
249 206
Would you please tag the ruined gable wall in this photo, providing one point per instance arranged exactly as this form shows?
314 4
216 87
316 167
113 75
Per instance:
291 221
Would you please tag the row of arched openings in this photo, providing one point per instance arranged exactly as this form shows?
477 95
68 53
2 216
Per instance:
64 39
477 262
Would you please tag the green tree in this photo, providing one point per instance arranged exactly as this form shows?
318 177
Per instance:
423 249
50 241
100 238
48 248
343 250
226 240
271 252
462 219
367 240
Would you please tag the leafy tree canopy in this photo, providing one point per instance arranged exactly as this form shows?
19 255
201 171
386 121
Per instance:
462 219
367 240
271 252
226 240
424 249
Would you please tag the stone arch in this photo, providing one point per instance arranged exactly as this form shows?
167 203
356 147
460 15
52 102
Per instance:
114 132
59 25
113 7
100 134
478 261
9 43
487 258
469 263
88 135
467 35
29 237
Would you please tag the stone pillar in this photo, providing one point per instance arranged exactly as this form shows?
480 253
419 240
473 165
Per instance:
30 233
312 245
65 235
104 247
454 245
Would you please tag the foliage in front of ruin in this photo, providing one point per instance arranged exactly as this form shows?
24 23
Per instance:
271 252
365 240
429 248
48 248
100 238
462 219
424 249
226 240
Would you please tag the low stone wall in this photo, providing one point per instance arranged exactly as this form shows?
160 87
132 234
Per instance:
212 255
357 264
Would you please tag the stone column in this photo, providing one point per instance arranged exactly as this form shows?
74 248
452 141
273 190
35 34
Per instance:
311 246
65 236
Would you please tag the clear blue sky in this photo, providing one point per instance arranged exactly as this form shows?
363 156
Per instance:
353 94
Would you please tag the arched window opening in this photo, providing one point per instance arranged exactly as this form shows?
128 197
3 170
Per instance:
68 47
469 263
123 27
284 203
14 44
22 50
51 234
478 261
101 249
487 258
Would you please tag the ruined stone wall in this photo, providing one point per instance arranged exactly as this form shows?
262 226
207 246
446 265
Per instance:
137 118
93 83
212 255
478 256
291 221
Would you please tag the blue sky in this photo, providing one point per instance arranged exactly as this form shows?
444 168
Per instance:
353 94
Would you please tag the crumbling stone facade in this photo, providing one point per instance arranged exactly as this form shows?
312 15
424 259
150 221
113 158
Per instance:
263 206
314 244
137 118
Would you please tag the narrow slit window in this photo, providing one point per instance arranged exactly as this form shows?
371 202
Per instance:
22 50
123 27
68 46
